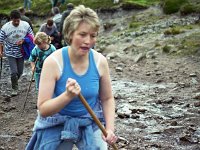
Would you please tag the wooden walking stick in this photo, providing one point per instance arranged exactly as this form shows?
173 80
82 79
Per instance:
95 118
29 87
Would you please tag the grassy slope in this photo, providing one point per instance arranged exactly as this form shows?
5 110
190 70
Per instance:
42 7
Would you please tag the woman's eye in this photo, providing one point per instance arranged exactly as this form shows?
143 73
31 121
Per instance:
93 36
82 34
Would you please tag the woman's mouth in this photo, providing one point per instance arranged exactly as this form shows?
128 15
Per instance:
85 48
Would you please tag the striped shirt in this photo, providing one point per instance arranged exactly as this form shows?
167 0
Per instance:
10 35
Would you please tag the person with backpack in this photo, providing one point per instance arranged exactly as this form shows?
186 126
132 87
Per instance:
39 53
70 7
62 118
12 36
56 17
22 12
50 29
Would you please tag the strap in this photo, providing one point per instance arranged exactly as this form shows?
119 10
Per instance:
99 58
59 66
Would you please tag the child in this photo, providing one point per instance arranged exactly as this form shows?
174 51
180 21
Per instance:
39 53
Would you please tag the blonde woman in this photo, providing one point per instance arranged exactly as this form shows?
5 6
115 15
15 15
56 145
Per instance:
62 119
40 52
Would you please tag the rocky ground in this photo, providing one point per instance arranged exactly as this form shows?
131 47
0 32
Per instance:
157 94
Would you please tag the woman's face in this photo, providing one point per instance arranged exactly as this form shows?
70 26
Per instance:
83 38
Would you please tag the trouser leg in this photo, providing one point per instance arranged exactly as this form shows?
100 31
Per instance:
14 81
16 69
20 66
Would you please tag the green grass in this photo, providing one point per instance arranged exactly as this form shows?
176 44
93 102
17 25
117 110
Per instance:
143 2
43 7
190 45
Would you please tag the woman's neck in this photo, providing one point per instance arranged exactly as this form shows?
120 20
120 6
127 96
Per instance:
75 57
79 63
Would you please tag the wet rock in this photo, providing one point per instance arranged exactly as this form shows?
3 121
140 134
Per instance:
135 116
197 104
197 96
6 109
124 113
18 133
119 69
7 99
139 57
159 80
118 96
151 54
2 148
2 113
174 123
193 75
112 55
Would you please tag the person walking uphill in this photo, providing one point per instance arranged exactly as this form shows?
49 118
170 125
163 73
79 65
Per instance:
62 119
70 7
50 29
40 52
11 37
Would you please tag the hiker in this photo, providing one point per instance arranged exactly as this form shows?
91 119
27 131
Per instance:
50 29
12 36
56 17
27 4
70 7
40 52
22 12
62 119
115 1
57 3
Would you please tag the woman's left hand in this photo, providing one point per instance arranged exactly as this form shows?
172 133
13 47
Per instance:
111 138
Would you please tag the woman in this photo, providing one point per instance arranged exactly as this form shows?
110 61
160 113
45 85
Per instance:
63 120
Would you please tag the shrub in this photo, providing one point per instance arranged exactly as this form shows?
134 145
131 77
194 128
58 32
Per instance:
187 9
172 6
166 49
173 31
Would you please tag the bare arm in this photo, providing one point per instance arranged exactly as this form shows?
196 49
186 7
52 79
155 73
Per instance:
1 50
108 102
32 66
106 96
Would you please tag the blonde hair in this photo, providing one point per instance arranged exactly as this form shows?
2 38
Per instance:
42 37
76 17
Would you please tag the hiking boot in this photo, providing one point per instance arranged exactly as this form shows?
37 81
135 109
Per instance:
14 92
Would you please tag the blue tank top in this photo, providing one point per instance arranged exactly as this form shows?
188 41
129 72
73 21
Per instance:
89 83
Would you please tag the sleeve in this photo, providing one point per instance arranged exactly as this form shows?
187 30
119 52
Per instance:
41 28
30 31
33 55
53 48
2 36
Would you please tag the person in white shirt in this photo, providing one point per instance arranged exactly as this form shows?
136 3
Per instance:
12 36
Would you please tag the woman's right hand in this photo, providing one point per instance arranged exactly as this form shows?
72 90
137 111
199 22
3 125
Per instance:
72 88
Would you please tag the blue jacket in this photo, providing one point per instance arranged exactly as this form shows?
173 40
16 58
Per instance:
27 46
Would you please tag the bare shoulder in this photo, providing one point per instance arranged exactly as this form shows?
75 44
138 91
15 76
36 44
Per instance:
99 57
50 60
101 62
56 54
